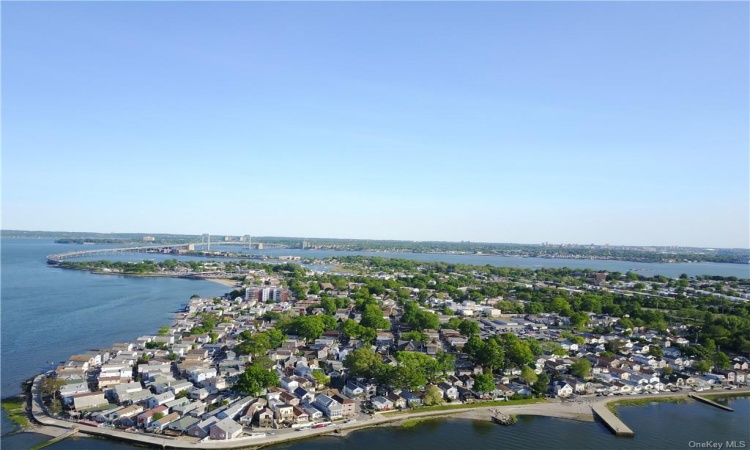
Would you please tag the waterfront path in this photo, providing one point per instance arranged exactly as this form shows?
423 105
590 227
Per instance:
577 410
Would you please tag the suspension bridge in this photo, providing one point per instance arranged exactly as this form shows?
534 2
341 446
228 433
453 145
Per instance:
58 258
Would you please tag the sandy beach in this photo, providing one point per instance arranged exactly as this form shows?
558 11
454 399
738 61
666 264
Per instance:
223 281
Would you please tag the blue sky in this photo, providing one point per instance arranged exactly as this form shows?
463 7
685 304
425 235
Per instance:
619 123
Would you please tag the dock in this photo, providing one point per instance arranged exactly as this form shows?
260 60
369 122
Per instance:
710 402
613 422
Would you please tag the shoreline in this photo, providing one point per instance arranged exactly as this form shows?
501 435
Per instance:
580 410
223 281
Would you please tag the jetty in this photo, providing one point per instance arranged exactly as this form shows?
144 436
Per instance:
501 418
612 422
63 436
710 402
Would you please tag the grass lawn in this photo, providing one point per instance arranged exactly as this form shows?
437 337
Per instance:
523 401
16 409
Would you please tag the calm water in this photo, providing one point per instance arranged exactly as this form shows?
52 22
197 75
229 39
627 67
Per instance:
49 314
646 269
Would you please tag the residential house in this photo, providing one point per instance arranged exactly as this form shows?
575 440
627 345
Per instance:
225 429
88 400
162 423
354 389
413 399
382 404
203 428
300 415
183 424
160 399
145 417
348 406
562 389
265 418
288 383
330 407
312 412
235 409
450 392
397 400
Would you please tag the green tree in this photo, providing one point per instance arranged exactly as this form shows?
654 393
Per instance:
329 305
528 374
721 360
484 383
50 386
163 331
579 319
414 336
581 368
419 319
703 366
256 379
415 369
445 362
433 396
372 317
320 377
517 352
655 350
540 386
491 355
553 348
468 328
157 416
363 362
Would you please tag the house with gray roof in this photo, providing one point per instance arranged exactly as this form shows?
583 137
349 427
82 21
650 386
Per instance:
330 407
225 429
202 428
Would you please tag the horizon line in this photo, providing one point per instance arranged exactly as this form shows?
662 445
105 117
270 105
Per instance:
387 240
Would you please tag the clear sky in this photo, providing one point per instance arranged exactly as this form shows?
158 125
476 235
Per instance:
619 123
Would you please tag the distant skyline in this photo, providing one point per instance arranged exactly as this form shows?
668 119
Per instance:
624 123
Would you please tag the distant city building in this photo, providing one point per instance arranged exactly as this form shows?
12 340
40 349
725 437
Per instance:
267 294
148 239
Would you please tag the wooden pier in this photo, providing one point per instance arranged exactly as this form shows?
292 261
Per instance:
613 422
709 402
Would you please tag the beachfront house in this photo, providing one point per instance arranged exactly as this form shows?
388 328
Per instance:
89 400
183 424
382 404
225 429
562 389
330 407
162 423
202 428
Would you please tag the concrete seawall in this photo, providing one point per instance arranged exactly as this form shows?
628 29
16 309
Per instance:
613 422
710 402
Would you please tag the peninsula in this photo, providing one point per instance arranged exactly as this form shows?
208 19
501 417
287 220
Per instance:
292 353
